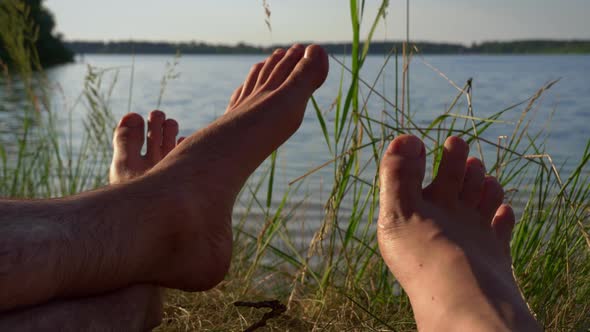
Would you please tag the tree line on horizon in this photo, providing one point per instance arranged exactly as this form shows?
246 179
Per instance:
52 50
497 47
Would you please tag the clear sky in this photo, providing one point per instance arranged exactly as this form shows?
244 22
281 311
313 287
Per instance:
232 21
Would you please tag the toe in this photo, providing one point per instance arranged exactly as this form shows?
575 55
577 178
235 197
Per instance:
309 73
129 136
154 136
284 68
503 224
269 66
473 182
234 98
491 198
250 82
169 132
401 175
449 179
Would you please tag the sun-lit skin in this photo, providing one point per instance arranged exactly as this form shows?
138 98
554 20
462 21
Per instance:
448 244
129 138
178 236
140 305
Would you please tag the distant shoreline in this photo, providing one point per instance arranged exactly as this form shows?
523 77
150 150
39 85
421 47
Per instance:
522 47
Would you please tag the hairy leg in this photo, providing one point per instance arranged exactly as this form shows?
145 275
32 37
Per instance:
49 249
137 308
448 244
170 227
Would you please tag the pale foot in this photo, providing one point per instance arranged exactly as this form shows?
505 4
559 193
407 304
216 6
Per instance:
129 138
448 244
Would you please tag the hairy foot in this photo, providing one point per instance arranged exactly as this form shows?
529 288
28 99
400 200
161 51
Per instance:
449 244
198 181
170 226
128 163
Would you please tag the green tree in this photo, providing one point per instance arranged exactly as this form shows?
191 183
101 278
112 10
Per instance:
50 48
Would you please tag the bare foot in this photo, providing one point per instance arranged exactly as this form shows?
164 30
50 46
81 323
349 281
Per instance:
129 138
171 226
178 232
449 244
128 163
208 169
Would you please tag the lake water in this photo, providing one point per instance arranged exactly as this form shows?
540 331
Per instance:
200 95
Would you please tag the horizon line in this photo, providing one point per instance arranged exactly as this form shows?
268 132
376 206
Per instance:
417 41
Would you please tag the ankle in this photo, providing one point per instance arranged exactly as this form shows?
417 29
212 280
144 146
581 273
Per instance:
118 241
192 233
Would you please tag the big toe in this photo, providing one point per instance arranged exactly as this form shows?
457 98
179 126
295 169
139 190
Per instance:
401 175
129 137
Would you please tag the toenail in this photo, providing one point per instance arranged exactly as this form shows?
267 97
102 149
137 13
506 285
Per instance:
157 114
279 51
170 123
409 147
296 47
474 162
131 120
311 49
457 142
